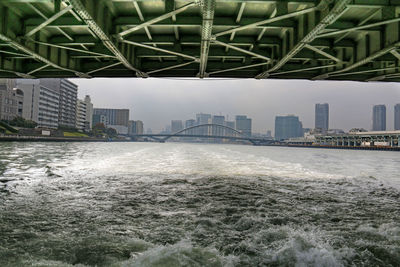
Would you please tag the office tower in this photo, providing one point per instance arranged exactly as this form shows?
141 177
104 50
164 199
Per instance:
176 126
379 118
84 114
219 120
397 117
190 123
288 127
230 124
114 116
11 100
202 118
322 117
243 124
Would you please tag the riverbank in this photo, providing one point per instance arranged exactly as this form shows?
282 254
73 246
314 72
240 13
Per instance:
20 138
379 148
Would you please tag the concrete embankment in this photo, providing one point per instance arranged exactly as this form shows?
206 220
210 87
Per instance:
13 138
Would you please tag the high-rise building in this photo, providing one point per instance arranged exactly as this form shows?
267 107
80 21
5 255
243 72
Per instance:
68 96
243 124
11 100
397 117
202 118
190 123
219 120
114 116
288 127
84 114
322 117
379 118
67 106
176 126
41 101
230 124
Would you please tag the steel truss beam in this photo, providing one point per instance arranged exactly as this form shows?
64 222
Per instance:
88 19
105 67
72 49
362 27
208 8
362 22
46 18
155 20
159 49
22 75
319 51
48 21
241 50
172 67
361 62
339 8
239 68
303 69
270 20
39 57
39 69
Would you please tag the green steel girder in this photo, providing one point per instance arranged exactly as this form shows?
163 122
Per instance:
309 39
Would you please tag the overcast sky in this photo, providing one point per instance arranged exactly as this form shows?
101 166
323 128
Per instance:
158 101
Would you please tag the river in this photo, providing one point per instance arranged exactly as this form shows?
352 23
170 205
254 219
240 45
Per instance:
176 204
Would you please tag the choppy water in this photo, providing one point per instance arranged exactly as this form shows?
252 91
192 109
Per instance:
146 204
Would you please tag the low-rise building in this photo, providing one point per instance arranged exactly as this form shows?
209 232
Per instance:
114 116
135 127
11 100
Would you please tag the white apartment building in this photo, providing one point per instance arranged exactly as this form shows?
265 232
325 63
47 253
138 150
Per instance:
41 103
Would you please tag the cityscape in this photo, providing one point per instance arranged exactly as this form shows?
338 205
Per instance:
191 133
53 104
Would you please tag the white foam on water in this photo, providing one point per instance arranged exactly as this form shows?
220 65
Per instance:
182 254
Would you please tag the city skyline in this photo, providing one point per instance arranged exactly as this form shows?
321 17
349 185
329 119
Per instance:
157 101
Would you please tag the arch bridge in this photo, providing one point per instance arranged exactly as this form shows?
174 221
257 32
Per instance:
292 39
209 131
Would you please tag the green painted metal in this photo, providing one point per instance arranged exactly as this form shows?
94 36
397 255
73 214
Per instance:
293 39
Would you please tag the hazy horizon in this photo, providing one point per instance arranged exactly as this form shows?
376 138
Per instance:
157 101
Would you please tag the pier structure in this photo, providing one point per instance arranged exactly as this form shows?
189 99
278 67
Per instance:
361 139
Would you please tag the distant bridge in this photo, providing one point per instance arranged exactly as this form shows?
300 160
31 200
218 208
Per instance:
209 130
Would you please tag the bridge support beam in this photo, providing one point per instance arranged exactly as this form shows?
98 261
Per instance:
89 20
208 7
331 16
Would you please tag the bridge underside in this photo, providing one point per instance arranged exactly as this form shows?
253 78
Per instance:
305 39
